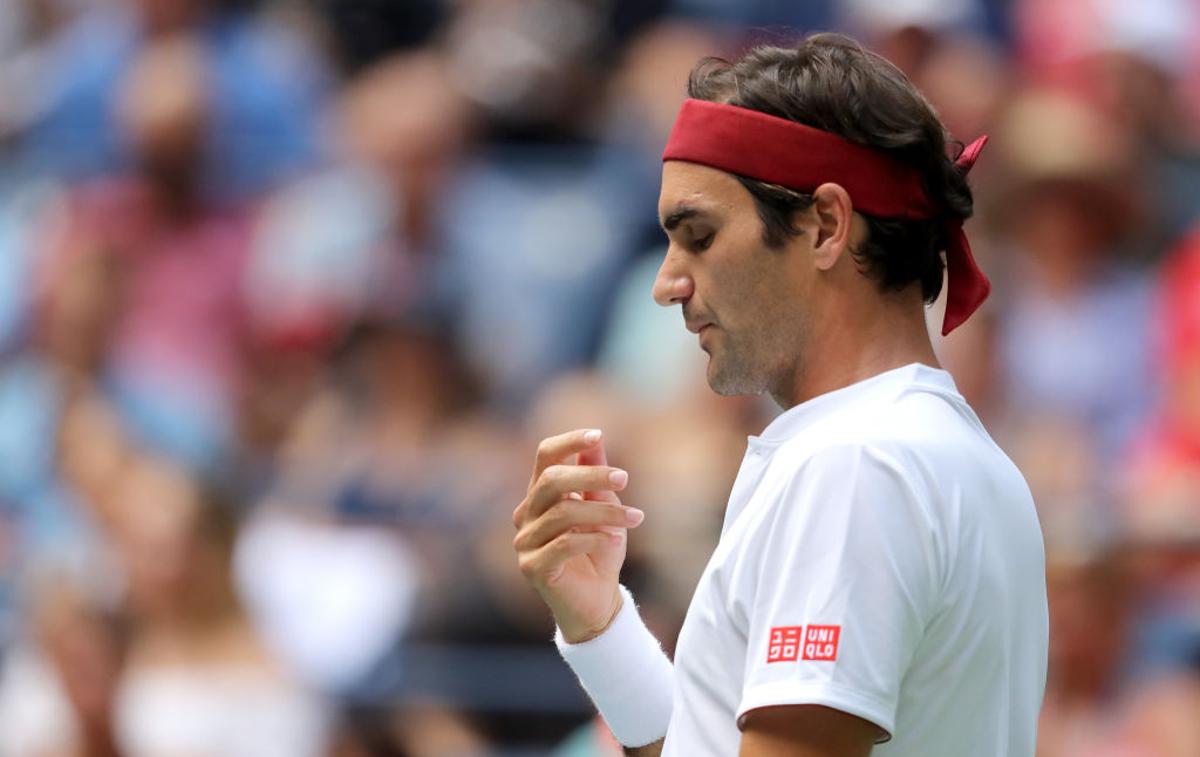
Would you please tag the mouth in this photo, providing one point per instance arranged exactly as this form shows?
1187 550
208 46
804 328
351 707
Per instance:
697 328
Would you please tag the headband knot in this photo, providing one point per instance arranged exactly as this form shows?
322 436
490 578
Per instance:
776 150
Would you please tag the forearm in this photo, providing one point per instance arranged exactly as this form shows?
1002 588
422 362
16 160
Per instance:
650 750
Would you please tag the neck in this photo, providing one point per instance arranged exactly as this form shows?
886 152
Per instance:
860 342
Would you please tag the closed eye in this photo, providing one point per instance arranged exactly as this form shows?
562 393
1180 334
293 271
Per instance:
703 243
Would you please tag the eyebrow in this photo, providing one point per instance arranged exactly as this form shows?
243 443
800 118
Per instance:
678 216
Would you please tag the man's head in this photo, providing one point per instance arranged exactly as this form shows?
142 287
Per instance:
771 267
163 109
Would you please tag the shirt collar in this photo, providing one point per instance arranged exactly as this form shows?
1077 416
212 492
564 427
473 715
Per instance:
795 419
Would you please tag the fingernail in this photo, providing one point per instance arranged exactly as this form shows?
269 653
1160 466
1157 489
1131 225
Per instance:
618 477
591 437
634 516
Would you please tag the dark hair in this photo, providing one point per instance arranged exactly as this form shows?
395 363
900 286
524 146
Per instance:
831 83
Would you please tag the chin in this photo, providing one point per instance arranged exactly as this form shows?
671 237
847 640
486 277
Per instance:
729 384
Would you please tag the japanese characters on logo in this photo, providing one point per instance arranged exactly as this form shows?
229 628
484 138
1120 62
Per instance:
790 643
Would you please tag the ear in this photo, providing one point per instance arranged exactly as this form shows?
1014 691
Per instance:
834 214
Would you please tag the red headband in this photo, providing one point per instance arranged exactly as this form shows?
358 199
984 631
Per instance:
778 151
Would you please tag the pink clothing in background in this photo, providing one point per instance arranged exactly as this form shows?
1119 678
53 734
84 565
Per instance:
180 314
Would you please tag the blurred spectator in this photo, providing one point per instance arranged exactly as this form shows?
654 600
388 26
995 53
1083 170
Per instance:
1142 67
535 242
331 621
355 239
394 469
1099 701
263 86
177 341
57 685
1162 484
1073 329
351 241
198 680
47 530
1090 603
967 80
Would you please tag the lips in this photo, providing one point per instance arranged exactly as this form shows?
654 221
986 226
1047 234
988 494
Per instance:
696 328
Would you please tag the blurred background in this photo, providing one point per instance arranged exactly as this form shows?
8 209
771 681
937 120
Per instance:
289 290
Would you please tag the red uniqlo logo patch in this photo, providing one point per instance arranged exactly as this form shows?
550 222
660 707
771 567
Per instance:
785 643
821 642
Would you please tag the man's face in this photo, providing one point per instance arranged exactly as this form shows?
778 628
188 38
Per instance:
746 300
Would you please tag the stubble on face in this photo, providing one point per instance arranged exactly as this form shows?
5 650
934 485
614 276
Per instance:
758 342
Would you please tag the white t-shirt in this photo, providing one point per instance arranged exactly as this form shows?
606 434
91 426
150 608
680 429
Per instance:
880 555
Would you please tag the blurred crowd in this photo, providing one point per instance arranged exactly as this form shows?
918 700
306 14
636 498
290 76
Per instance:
289 289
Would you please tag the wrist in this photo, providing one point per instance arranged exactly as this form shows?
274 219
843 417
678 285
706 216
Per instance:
627 675
580 635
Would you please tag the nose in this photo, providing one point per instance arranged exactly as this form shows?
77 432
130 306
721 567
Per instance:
672 285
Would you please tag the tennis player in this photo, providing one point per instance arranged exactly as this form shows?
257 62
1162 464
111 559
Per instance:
879 584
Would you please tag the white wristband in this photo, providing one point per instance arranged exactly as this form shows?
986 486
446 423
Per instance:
628 676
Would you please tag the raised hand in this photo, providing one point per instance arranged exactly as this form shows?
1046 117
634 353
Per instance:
571 532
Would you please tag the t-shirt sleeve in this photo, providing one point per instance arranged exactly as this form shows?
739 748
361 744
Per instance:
841 580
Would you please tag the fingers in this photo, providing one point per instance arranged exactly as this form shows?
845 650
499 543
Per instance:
571 514
545 565
595 455
556 449
559 482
